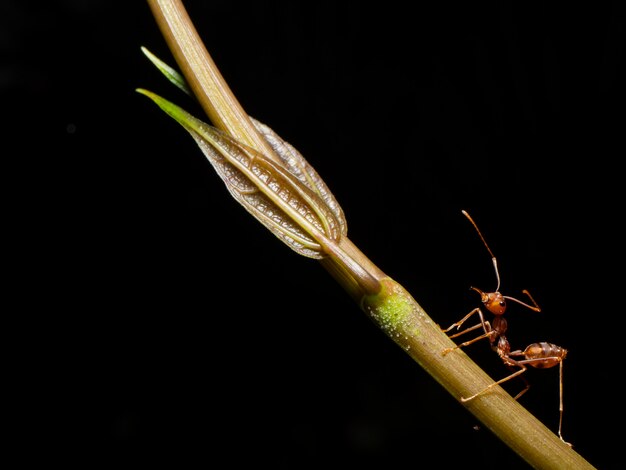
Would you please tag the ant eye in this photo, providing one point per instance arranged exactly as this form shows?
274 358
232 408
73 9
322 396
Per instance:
502 303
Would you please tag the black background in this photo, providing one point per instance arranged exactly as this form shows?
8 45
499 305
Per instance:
150 320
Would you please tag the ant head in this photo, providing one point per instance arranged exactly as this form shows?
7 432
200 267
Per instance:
493 301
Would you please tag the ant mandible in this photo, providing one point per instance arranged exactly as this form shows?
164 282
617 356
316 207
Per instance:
541 355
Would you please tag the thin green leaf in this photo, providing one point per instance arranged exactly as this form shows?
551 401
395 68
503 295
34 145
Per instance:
170 73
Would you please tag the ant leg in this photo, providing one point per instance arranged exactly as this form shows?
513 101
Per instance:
488 334
465 318
486 326
515 374
467 330
561 403
550 360
525 388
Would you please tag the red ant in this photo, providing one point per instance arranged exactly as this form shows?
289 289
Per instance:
540 355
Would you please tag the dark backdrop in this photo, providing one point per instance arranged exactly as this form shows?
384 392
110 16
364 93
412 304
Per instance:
152 321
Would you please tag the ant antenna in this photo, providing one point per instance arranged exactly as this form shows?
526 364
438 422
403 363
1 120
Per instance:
536 308
493 258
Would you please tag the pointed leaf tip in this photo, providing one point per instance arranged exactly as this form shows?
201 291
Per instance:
170 73
144 92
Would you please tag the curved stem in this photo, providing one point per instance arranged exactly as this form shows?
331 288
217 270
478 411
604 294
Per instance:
385 301
203 76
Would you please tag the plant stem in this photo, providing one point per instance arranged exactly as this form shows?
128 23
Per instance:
385 301
209 87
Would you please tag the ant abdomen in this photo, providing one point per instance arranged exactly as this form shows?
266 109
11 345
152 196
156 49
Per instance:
544 355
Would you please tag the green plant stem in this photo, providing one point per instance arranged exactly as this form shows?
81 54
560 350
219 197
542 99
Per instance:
385 301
